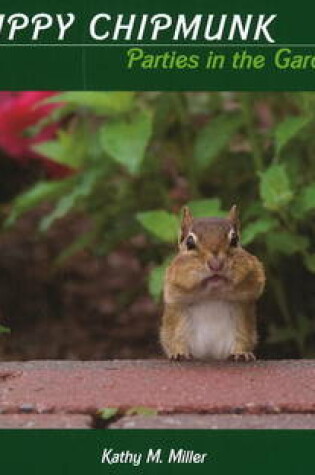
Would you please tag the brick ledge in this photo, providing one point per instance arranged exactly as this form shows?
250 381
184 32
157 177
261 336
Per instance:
275 394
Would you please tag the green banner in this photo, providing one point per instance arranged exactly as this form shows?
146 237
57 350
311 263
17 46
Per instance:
178 45
147 451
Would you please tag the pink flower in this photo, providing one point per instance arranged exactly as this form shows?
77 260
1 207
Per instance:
20 111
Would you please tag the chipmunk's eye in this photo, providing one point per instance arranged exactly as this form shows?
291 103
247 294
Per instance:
191 243
234 239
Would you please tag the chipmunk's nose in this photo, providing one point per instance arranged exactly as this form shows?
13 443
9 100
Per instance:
215 264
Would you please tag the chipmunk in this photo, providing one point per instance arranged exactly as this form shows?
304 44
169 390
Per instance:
210 291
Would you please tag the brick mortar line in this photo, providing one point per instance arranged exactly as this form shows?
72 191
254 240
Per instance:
258 410
97 423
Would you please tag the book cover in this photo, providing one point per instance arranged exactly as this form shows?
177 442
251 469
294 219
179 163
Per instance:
157 251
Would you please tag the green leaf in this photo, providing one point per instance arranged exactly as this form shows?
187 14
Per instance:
142 411
214 137
99 102
82 189
39 193
252 230
51 149
55 115
160 223
306 201
309 262
126 140
108 413
71 149
156 279
204 208
4 329
275 188
288 129
283 242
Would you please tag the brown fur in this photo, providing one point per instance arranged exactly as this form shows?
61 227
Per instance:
241 283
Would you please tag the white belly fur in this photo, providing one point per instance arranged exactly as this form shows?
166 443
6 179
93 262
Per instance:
211 329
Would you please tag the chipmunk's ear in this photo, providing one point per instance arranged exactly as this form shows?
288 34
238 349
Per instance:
233 216
185 223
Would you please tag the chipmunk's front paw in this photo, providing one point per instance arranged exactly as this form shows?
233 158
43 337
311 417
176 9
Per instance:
181 356
242 356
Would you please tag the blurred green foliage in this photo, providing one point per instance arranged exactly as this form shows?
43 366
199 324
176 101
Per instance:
4 329
138 157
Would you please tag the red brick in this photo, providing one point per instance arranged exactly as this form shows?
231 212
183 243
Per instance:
225 387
